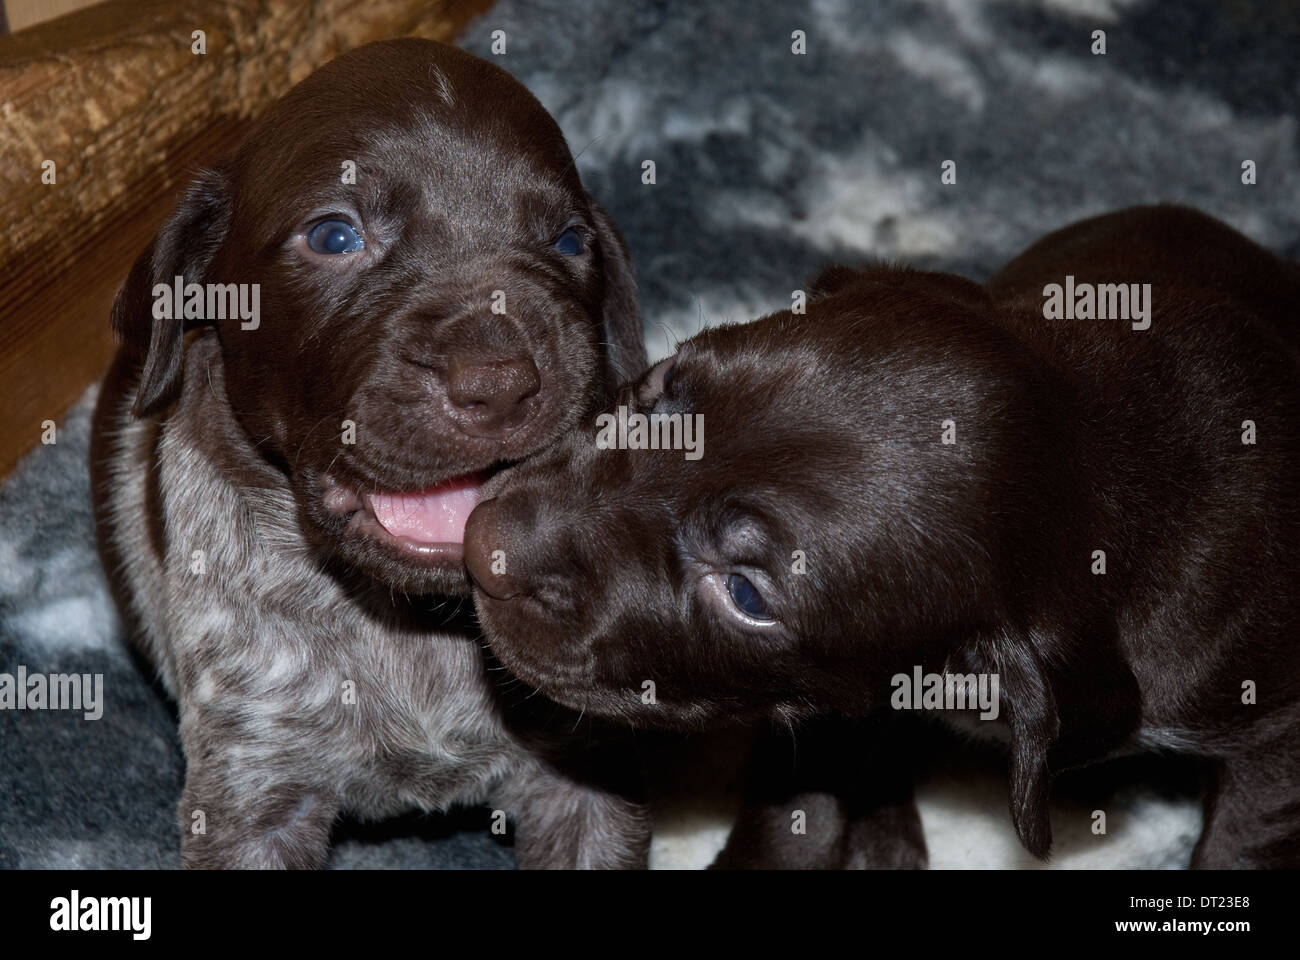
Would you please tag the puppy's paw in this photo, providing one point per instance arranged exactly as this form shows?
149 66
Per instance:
282 828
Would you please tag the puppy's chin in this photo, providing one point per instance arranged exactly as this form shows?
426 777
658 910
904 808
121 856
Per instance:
517 640
441 573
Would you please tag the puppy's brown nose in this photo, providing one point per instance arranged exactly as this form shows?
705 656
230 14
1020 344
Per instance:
491 398
487 552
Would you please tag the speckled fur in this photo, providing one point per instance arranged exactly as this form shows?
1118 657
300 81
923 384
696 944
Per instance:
307 685
257 649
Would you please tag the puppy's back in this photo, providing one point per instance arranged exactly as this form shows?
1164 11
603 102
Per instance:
1180 443
1164 245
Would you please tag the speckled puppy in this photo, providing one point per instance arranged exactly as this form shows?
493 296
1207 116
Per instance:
281 493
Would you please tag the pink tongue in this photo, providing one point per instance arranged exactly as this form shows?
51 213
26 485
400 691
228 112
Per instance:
436 515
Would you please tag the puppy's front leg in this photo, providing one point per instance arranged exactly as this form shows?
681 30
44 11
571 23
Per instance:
250 811
1252 810
835 795
830 836
566 821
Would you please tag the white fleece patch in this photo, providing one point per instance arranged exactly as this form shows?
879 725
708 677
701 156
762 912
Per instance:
967 827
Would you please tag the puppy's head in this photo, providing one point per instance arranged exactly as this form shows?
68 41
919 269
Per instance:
826 539
436 296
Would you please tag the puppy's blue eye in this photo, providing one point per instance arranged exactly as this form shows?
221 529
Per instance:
570 243
747 598
334 236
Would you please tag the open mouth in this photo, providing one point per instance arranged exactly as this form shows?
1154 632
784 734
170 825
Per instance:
426 525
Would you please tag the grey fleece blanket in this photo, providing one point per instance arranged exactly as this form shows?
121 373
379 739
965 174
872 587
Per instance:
768 165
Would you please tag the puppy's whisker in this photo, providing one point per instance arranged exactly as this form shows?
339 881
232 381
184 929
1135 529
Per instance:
307 436
674 342
621 375
590 143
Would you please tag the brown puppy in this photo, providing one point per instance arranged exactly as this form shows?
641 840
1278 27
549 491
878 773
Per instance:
926 473
281 493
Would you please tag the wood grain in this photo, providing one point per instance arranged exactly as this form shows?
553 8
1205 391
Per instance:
21 14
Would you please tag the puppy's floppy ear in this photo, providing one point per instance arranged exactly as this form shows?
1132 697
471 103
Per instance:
621 331
183 248
1035 723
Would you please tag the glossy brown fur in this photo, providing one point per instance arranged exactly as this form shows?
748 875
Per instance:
823 435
